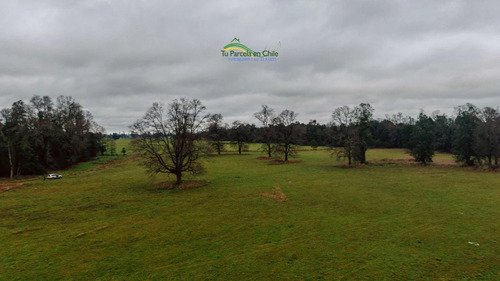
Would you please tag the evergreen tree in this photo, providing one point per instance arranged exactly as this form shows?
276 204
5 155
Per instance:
464 140
423 139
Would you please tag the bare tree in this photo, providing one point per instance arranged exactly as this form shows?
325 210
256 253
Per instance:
169 138
288 133
268 134
240 134
343 118
353 127
215 131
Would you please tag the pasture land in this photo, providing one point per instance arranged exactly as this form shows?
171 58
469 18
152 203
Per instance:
390 220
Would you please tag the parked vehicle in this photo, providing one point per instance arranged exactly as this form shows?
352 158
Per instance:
54 176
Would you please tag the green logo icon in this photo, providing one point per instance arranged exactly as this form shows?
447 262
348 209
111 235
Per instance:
237 49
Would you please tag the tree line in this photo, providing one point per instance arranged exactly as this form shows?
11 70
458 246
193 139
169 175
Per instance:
41 135
472 134
173 138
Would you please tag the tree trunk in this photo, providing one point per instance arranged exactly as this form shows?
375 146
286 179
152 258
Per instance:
469 161
179 178
363 155
269 150
286 152
10 160
239 148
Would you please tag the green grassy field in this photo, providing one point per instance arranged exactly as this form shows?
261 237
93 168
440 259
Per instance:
373 222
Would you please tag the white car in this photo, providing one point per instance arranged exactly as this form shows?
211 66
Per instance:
54 176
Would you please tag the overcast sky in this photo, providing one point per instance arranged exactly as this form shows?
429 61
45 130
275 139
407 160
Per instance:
118 57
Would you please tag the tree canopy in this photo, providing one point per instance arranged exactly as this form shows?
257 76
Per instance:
168 138
42 136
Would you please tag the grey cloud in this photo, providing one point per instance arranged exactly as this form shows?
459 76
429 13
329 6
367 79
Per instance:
118 57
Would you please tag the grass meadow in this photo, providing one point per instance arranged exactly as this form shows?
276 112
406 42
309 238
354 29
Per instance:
389 220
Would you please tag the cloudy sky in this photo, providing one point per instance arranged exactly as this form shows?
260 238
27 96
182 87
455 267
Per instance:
118 57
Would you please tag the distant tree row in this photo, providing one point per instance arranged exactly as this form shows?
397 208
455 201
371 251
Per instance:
472 135
279 134
44 135
172 139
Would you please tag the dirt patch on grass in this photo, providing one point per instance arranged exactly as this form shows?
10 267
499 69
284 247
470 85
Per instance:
483 168
26 230
276 194
354 165
390 161
282 162
224 154
264 158
6 186
409 161
184 185
101 228
444 162
92 231
10 185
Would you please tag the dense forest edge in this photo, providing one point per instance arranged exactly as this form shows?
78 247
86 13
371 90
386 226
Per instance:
42 136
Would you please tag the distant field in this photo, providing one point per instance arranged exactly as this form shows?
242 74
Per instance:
106 220
257 147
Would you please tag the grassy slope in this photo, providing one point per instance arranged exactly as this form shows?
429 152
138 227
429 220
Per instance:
365 223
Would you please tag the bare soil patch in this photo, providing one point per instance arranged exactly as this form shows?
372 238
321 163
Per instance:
264 158
26 230
92 231
281 162
409 161
224 154
10 185
483 168
444 162
276 194
184 185
6 186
